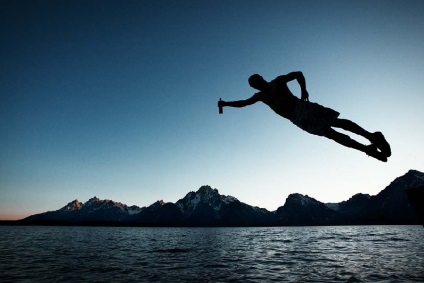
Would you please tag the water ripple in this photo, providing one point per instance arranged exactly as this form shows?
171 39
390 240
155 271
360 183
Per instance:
281 254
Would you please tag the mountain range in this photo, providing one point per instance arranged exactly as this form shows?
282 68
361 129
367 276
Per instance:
206 207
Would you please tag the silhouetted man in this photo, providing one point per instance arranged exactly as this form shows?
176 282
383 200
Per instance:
311 117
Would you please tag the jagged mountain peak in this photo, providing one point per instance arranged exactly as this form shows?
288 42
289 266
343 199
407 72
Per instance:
411 174
416 173
207 190
73 205
95 201
359 196
92 201
205 196
301 199
157 204
411 179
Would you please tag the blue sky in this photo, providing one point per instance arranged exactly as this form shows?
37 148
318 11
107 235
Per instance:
117 99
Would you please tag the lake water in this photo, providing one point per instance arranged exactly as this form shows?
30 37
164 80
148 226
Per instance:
278 254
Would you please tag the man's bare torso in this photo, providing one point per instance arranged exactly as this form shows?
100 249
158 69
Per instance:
279 98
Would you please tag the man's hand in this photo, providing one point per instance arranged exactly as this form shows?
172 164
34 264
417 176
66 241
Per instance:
220 105
305 95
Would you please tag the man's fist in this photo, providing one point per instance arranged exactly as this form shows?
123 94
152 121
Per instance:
220 105
305 95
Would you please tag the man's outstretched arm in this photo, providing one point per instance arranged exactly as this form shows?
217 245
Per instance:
240 103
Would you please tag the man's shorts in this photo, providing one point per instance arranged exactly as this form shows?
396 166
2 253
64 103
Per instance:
314 118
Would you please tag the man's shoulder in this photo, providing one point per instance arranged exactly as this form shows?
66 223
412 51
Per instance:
279 81
281 78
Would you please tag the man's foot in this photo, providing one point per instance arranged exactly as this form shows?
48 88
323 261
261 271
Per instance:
373 151
379 140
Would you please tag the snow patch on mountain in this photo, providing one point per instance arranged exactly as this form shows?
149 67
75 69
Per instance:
195 201
305 200
229 199
333 206
301 199
133 210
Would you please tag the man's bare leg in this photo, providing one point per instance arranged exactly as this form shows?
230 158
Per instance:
345 140
376 138
352 127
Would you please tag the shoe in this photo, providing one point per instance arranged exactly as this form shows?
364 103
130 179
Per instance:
373 152
379 140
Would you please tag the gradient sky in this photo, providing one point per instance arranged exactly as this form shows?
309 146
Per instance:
117 99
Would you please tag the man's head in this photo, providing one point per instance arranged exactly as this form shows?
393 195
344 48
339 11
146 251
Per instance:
258 82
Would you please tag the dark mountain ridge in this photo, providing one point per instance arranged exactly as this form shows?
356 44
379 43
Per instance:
206 207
